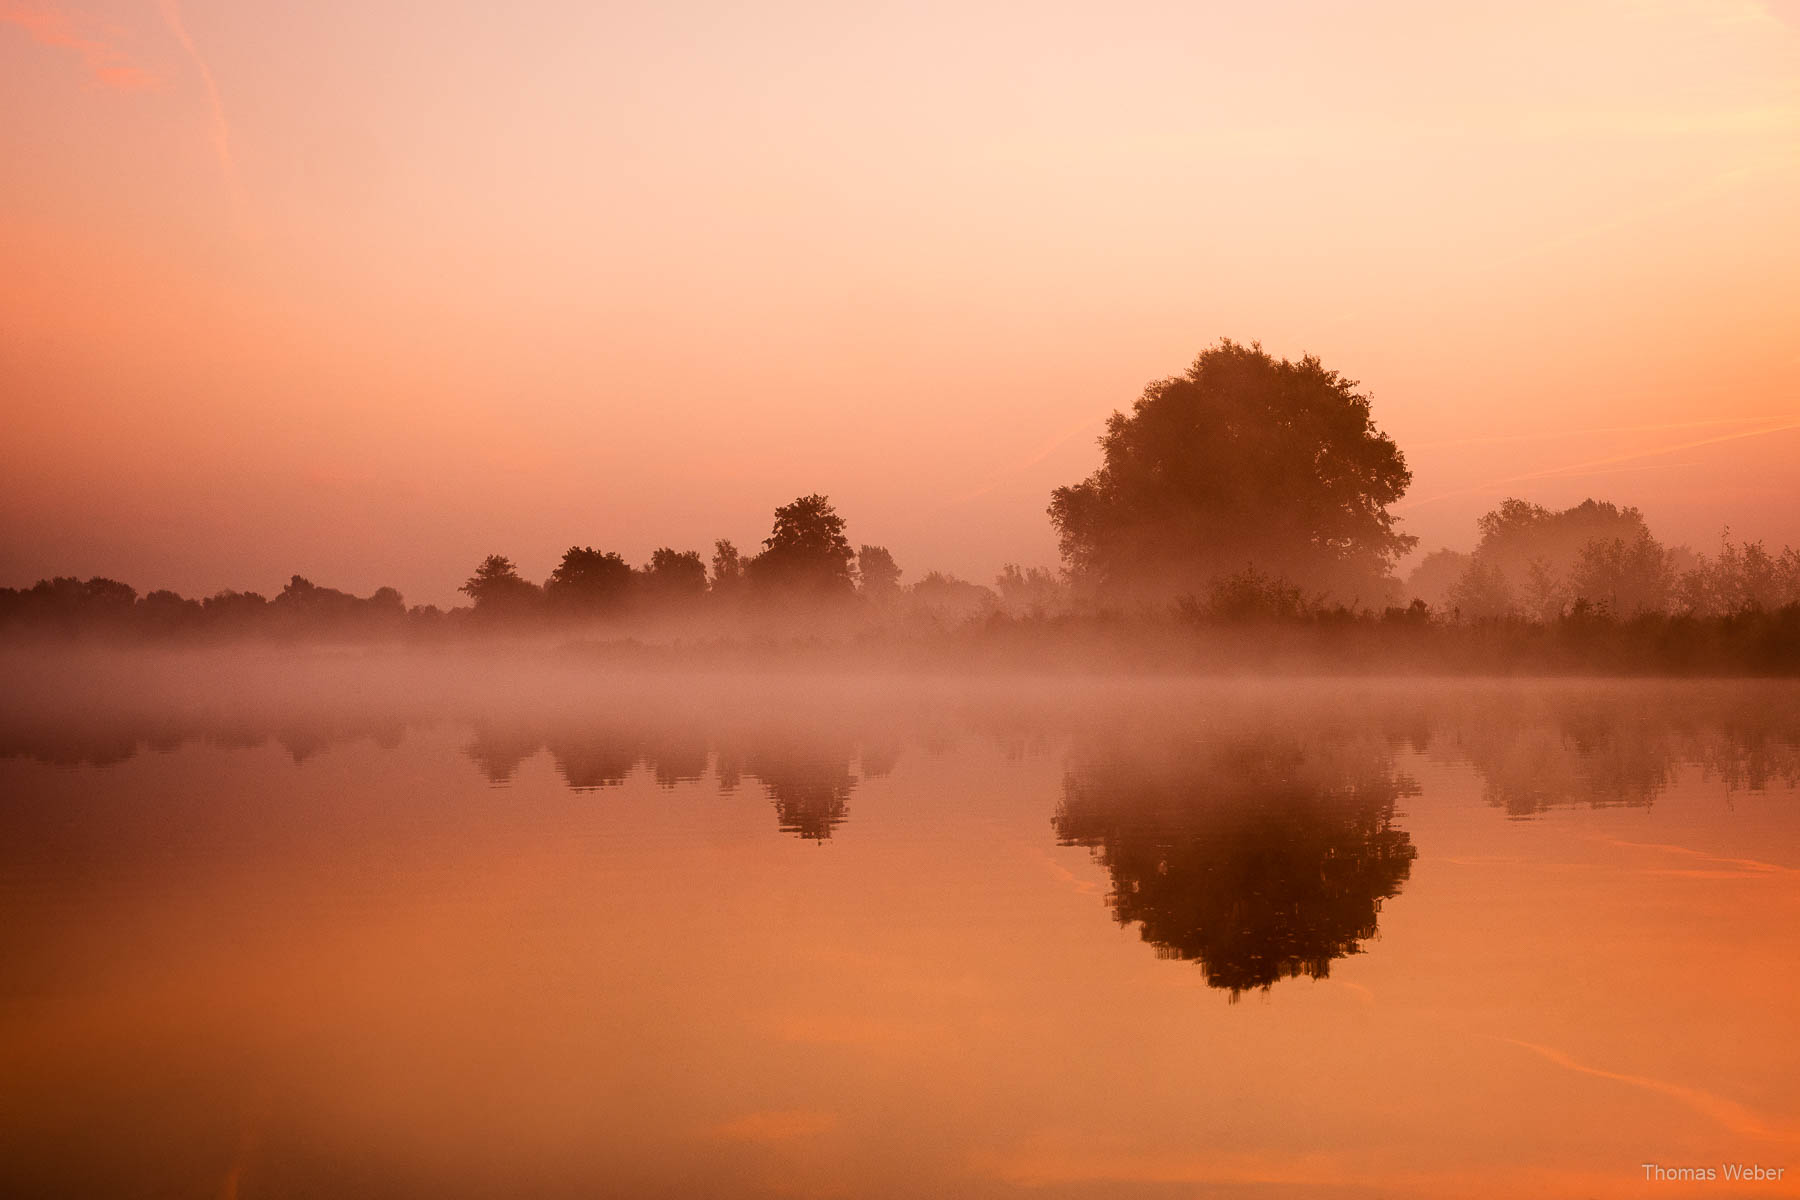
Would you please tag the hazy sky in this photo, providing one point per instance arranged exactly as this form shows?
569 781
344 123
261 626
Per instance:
367 290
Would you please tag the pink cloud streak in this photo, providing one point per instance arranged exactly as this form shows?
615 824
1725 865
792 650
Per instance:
105 61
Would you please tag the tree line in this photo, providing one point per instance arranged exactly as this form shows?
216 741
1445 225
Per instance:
1248 488
806 564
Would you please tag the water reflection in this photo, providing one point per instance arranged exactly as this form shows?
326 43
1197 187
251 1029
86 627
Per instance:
807 777
1260 858
755 929
809 788
1534 748
1540 749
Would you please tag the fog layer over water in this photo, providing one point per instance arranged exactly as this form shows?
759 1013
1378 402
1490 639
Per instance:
299 923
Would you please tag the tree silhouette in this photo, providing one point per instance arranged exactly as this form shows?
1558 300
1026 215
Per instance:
1742 578
588 581
1028 591
675 577
1623 577
1481 594
879 573
1534 552
1435 576
303 604
1245 460
496 587
949 599
727 567
806 551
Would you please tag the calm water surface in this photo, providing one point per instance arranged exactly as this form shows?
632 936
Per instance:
346 931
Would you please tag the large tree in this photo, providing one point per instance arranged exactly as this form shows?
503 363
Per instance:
1244 461
806 551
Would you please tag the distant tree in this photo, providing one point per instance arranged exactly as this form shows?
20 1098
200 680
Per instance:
1623 578
164 611
879 573
497 588
234 610
102 593
68 602
675 577
806 551
1544 594
1245 460
387 600
1535 549
727 567
304 604
949 599
1481 594
1743 577
587 582
1435 576
305 601
1028 591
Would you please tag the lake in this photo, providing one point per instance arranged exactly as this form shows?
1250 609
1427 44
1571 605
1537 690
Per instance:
313 924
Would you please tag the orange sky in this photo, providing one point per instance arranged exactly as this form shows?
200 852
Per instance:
367 290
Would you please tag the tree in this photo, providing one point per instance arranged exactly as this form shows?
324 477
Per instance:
496 587
1481 594
235 610
675 576
1626 578
1535 549
588 581
806 551
1744 577
879 573
167 612
1435 576
727 567
1244 461
946 598
1032 591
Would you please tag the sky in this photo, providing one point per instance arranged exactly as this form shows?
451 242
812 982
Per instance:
366 291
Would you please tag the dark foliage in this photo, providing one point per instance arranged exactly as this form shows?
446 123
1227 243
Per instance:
1244 461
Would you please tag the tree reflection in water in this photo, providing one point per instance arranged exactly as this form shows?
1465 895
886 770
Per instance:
807 777
1261 858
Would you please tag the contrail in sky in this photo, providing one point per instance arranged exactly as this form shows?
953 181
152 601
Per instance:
221 130
1543 435
1593 465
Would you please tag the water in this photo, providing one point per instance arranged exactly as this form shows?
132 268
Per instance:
347 929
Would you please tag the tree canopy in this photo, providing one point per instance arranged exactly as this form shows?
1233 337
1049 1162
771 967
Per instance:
1243 461
589 580
879 573
496 586
675 576
806 550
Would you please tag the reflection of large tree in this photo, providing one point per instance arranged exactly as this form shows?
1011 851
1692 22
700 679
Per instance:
1260 860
